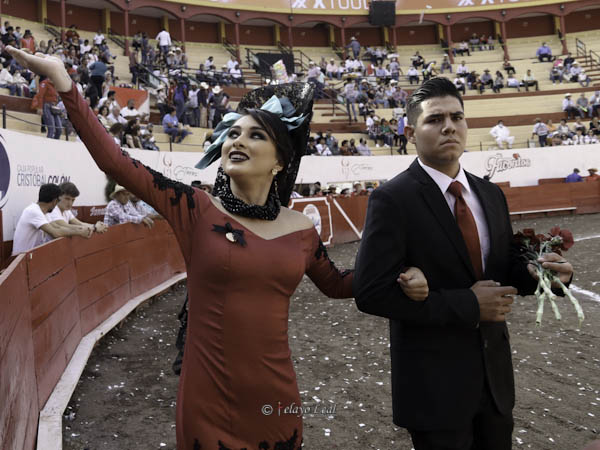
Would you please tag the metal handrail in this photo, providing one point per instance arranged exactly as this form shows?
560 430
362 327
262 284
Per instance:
231 48
5 115
52 28
117 39
594 63
337 50
581 49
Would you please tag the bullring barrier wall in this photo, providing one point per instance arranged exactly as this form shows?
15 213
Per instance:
54 295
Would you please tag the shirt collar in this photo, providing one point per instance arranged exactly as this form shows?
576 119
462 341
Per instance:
443 181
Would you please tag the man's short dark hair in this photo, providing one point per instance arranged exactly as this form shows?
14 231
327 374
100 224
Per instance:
48 193
434 87
110 93
68 188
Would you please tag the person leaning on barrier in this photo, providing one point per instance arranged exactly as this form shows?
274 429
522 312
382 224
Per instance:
120 210
62 215
33 227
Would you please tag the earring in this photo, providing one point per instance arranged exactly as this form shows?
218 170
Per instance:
274 171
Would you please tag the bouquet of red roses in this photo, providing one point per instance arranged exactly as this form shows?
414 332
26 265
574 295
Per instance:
532 247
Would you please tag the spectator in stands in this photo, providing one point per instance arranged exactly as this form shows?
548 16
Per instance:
583 78
116 131
573 72
413 75
540 129
99 38
33 228
508 67
62 215
362 148
314 76
474 42
462 70
578 125
98 71
7 81
445 65
429 71
130 112
164 41
417 60
486 79
395 69
148 140
594 104
544 53
354 45
45 102
331 70
512 81
460 84
563 128
172 127
28 41
595 126
593 175
556 74
110 100
322 148
115 116
463 48
502 134
590 138
498 82
311 146
568 106
529 80
120 210
219 105
574 177
103 116
583 105
568 61
237 76
331 142
132 136
579 138
350 94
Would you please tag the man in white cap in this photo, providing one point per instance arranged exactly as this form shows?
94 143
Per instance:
568 106
120 209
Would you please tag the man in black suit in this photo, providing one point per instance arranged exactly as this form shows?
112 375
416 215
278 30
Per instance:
452 376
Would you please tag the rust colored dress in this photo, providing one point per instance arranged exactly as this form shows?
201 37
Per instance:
237 376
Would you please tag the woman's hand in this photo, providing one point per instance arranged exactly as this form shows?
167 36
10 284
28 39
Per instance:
414 284
46 65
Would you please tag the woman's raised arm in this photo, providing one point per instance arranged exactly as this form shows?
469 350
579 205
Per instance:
179 203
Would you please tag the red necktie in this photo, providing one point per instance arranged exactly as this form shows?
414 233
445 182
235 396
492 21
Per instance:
468 227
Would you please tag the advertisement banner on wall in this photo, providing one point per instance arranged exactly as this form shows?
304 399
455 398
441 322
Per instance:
357 7
27 162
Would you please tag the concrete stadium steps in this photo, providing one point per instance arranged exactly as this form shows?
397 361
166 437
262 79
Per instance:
524 48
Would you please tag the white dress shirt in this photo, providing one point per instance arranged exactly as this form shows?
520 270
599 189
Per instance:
443 181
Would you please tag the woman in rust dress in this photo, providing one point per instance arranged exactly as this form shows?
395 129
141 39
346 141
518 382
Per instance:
243 264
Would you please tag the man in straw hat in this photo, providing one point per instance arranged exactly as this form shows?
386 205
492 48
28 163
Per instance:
120 209
568 106
593 174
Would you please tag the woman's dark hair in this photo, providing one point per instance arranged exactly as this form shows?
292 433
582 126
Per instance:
68 188
48 193
434 87
279 134
102 108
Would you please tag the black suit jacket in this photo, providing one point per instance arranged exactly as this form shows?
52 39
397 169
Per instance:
440 353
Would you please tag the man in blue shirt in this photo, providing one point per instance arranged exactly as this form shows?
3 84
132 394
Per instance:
171 126
574 177
544 52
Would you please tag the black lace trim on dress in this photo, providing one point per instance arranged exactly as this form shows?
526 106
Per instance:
322 253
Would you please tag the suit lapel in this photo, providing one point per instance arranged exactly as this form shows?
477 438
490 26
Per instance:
436 202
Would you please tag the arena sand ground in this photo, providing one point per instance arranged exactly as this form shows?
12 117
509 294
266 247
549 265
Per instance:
126 396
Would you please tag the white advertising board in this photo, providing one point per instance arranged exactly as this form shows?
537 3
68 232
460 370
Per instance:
27 161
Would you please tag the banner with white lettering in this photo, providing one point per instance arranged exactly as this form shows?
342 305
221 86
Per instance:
27 162
357 7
